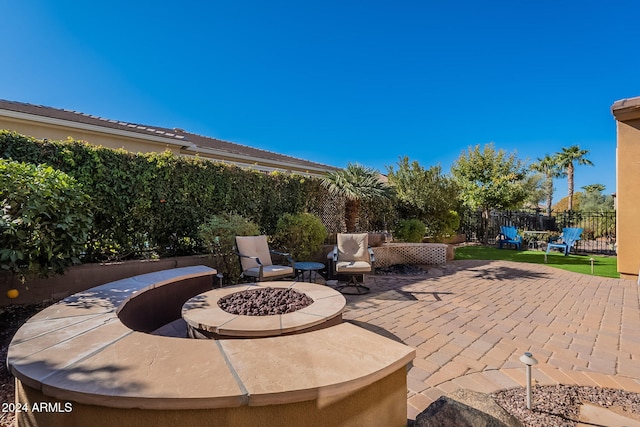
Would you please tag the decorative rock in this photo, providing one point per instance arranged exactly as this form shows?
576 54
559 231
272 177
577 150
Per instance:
465 408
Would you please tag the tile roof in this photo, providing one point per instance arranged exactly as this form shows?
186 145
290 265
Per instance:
77 117
193 143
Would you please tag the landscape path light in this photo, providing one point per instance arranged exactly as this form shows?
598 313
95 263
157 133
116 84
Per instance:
591 259
528 360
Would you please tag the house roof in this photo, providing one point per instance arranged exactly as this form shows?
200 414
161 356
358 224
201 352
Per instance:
190 143
626 109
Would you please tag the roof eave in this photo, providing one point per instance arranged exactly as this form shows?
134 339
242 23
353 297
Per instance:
94 128
626 109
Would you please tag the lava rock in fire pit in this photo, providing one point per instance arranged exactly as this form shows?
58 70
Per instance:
264 302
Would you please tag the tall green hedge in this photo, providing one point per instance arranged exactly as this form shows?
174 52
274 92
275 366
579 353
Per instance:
155 202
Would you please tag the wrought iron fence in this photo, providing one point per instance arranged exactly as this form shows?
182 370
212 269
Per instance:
598 236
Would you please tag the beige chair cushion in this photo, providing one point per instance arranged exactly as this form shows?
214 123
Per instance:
270 271
253 246
353 267
353 247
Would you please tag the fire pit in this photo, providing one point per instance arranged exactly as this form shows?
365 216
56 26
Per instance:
264 302
263 310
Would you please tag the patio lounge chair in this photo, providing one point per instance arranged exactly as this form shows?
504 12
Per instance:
255 259
509 235
568 238
353 257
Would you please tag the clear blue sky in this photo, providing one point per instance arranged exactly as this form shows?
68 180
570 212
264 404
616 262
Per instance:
339 81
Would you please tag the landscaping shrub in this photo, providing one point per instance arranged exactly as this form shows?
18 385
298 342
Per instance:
301 235
410 231
219 236
46 218
443 227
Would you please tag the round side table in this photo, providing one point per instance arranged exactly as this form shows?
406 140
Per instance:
311 267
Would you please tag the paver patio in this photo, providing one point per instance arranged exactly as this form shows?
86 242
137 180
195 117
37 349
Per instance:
470 321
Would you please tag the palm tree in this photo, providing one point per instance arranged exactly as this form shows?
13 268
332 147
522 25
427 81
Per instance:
549 167
566 159
594 187
355 183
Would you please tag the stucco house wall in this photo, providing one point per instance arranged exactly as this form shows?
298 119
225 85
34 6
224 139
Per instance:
134 143
627 115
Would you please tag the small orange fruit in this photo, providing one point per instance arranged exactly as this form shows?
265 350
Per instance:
13 293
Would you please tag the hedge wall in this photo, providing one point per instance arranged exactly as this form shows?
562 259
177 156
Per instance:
153 203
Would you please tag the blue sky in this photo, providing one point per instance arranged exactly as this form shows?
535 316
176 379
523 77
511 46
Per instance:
339 81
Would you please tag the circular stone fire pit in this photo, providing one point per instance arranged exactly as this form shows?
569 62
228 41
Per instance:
264 302
207 319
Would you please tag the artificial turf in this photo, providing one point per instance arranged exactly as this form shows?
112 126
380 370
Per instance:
603 266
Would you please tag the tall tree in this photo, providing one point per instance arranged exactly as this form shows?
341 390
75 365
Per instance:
355 183
427 195
534 186
567 159
548 166
489 179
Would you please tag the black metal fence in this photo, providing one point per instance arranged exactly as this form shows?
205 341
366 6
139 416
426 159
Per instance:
598 236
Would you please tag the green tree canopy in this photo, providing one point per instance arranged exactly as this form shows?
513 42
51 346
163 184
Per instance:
533 184
427 195
592 200
490 179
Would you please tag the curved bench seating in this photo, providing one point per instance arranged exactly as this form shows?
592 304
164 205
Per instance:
91 358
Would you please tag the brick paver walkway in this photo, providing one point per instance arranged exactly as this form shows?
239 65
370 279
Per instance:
471 320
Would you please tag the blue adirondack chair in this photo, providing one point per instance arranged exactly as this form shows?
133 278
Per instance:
509 234
569 238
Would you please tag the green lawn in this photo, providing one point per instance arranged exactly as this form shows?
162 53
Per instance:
602 266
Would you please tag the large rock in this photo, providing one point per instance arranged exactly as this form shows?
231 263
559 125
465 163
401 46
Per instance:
466 408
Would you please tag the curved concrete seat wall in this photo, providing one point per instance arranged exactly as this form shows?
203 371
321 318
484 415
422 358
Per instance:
81 358
161 304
